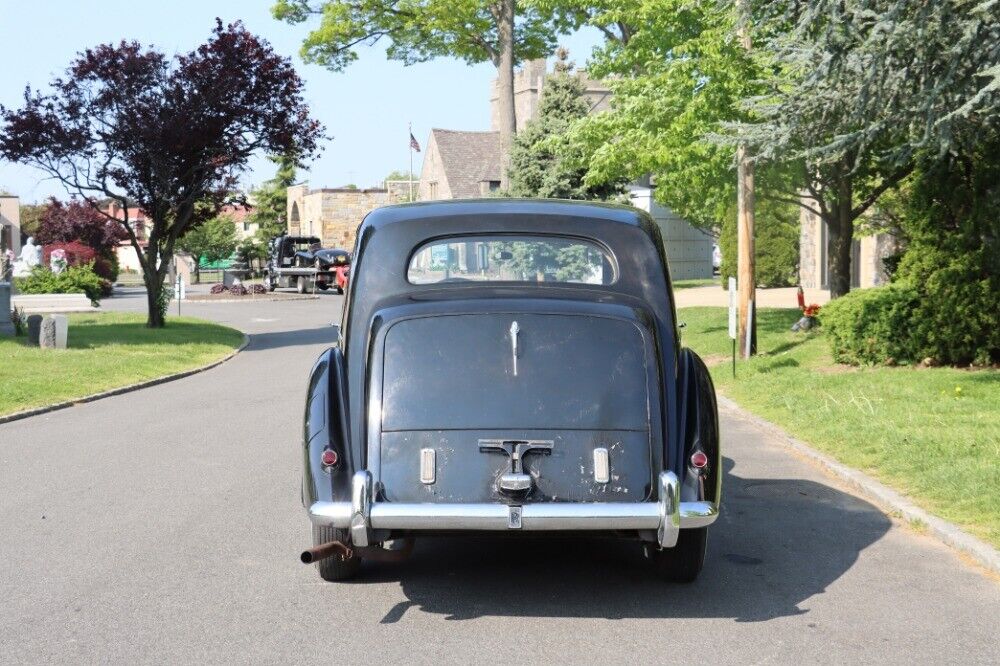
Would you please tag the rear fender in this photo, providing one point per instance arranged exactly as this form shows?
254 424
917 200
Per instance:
699 421
325 426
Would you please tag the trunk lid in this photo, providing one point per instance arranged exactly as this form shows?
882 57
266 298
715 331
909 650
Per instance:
450 384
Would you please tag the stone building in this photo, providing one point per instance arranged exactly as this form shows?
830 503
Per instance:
10 223
867 255
528 84
333 214
460 165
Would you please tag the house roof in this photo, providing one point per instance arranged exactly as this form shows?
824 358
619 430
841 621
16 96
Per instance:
468 158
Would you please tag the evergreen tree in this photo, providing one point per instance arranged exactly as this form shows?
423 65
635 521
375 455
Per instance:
543 164
270 200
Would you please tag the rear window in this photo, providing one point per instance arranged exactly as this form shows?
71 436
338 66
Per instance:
511 259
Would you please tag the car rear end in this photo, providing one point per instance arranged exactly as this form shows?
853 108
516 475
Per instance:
518 393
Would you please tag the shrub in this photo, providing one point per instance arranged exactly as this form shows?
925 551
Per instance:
872 326
74 280
955 317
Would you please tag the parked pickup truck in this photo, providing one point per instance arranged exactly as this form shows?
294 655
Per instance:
509 366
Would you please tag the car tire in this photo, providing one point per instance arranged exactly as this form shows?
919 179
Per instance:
335 568
683 562
300 285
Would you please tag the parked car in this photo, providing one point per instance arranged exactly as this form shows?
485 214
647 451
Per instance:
509 366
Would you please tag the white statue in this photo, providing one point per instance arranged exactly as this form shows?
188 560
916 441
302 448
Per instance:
31 256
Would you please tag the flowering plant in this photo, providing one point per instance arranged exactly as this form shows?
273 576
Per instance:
810 310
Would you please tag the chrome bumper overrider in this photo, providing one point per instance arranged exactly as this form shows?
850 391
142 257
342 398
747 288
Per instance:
667 516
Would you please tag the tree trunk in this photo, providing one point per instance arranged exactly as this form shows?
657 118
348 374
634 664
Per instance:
155 317
505 88
840 228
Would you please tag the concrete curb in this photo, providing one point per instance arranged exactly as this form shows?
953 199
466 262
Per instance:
16 416
889 500
247 299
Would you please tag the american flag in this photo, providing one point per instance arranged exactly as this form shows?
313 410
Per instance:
413 143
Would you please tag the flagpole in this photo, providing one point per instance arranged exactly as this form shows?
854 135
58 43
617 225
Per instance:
411 160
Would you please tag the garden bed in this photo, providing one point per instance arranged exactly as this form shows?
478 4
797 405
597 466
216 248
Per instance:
931 433
106 351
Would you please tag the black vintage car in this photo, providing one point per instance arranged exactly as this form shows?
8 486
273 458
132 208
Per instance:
509 366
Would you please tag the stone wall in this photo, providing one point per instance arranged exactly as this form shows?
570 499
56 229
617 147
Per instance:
810 251
332 214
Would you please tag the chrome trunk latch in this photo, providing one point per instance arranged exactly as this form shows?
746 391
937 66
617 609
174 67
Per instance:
516 481
514 330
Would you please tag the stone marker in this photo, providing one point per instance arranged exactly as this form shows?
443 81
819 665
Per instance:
47 336
34 328
6 326
62 330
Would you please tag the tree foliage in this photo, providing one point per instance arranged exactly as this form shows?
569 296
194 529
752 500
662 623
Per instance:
861 88
78 221
502 32
168 135
543 163
270 200
210 241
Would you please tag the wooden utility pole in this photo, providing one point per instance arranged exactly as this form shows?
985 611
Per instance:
745 262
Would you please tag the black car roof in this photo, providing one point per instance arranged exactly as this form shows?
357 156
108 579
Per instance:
546 209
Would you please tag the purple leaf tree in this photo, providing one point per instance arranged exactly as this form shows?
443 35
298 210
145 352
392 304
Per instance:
168 135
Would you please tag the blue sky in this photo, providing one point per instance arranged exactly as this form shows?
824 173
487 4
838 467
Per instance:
365 110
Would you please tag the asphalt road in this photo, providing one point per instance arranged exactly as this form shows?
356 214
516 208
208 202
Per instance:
163 526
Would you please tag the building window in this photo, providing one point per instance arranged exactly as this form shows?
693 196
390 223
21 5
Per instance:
432 189
494 185
246 226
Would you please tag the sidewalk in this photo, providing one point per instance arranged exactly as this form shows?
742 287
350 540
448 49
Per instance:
766 298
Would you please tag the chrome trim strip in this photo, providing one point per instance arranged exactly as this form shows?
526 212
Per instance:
536 517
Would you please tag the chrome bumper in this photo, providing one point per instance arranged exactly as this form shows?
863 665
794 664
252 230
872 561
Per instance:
667 516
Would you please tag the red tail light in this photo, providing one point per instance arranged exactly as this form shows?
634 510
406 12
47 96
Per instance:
699 460
329 458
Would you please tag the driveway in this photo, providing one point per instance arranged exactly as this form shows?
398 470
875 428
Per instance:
164 526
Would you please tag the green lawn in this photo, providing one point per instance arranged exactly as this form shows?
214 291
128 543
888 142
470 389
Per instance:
932 433
106 351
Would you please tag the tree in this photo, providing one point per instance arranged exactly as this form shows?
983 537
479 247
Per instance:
168 135
270 200
679 77
210 241
541 161
77 221
31 217
862 87
503 32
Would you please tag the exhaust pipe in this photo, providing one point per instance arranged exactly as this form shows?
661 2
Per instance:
317 553
374 554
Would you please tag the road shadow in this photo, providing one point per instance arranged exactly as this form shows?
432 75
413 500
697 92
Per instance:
301 337
778 543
